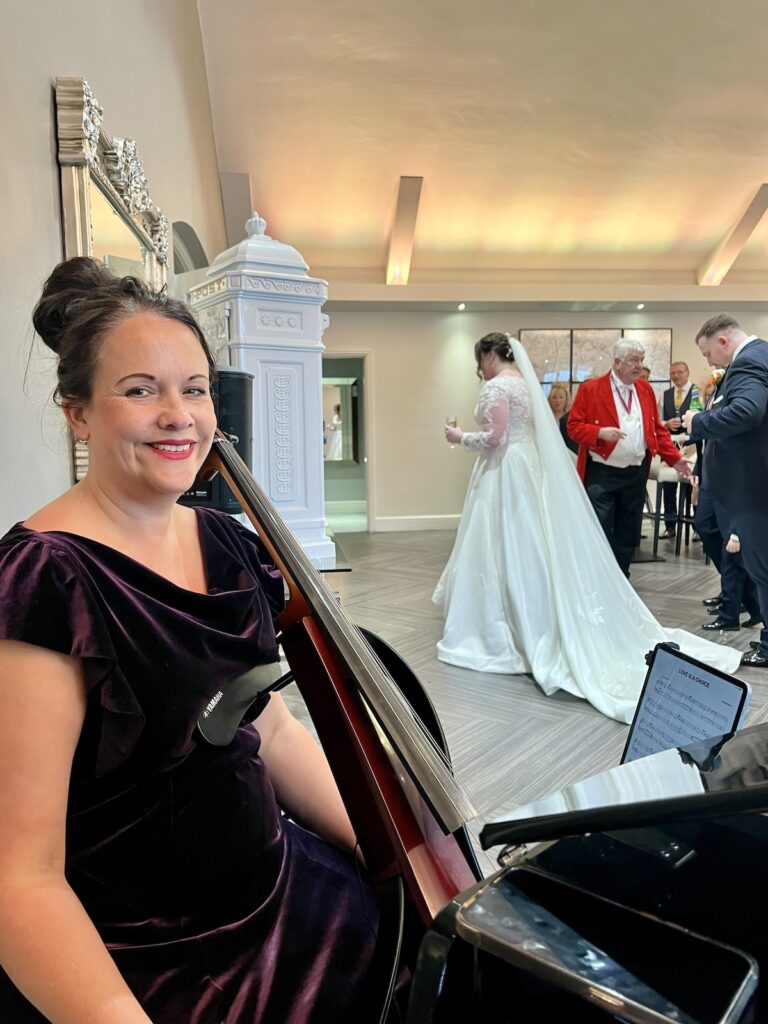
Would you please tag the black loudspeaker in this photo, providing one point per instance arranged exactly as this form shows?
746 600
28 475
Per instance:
233 402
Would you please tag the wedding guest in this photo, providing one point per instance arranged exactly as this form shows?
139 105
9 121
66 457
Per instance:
674 402
546 597
735 460
616 424
737 591
146 872
559 399
645 373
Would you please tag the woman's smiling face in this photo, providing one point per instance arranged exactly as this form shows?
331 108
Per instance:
150 419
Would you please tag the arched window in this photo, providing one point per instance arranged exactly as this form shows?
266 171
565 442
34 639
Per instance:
188 252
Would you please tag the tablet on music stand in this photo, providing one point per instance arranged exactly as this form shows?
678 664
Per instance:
683 700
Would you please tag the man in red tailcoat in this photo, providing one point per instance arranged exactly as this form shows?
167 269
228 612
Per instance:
615 421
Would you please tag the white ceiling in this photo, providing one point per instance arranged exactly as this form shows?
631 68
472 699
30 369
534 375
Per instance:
570 149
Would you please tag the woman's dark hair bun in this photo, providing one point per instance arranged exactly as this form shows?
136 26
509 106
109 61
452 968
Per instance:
81 301
133 286
63 293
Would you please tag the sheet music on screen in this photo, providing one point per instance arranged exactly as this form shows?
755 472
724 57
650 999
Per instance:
682 701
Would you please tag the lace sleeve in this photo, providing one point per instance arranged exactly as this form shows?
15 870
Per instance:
492 414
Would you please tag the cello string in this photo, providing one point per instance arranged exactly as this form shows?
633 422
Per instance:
452 802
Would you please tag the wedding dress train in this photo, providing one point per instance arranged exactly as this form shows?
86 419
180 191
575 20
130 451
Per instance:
532 585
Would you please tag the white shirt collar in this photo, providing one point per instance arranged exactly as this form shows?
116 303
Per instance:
738 349
619 383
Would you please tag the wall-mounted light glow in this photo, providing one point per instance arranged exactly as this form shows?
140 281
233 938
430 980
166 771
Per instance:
641 305
462 305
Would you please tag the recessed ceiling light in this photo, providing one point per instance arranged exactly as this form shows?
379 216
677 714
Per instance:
641 305
462 305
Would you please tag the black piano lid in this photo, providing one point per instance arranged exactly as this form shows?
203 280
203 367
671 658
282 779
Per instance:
709 778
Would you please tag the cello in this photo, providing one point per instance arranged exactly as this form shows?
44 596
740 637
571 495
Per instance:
406 806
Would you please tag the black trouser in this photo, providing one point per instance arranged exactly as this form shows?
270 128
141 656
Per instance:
753 530
618 498
736 586
669 493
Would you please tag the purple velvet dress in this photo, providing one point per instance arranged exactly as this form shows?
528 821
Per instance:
215 908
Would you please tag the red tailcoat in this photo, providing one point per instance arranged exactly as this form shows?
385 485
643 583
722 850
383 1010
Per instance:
594 407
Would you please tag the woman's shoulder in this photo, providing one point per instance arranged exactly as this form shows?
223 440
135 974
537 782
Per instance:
25 544
245 545
505 380
506 384
39 570
221 523
44 596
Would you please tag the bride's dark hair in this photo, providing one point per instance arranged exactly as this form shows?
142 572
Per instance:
81 302
494 342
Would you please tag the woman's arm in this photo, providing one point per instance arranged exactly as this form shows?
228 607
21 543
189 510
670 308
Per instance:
493 413
48 945
301 776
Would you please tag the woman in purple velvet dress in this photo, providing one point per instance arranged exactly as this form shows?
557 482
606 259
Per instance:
147 874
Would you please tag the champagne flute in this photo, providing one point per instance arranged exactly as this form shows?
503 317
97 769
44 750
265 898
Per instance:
451 421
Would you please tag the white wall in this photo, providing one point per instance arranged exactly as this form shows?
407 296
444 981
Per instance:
421 369
144 62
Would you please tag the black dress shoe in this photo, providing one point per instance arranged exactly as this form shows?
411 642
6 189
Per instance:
714 609
754 644
723 625
755 659
753 620
667 535
710 602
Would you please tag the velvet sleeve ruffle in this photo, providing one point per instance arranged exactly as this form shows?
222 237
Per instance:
45 601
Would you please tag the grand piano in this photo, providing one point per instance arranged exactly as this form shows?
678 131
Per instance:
637 895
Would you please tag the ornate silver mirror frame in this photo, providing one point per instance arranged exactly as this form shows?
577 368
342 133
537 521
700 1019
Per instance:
98 169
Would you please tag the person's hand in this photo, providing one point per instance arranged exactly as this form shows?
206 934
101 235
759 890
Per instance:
610 434
674 424
733 545
682 468
688 419
453 435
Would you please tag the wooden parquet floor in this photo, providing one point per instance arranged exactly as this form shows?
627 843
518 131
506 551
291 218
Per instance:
510 743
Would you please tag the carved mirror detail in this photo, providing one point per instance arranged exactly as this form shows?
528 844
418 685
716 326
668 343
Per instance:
107 210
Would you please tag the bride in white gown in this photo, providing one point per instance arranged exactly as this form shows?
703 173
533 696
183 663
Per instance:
532 585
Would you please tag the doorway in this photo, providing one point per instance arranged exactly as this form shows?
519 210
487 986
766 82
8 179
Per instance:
344 448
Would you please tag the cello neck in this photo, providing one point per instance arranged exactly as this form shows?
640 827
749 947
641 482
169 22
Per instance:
310 596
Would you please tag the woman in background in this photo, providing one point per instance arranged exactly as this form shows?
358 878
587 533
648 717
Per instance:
559 399
532 585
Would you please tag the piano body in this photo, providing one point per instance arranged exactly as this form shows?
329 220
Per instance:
637 895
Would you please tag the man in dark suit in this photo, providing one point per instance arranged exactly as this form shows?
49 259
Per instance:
736 453
674 402
736 587
615 421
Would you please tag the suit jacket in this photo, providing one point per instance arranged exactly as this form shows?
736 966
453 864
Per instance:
594 407
736 433
668 406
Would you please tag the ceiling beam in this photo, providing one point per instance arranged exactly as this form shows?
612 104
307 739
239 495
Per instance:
403 230
725 253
